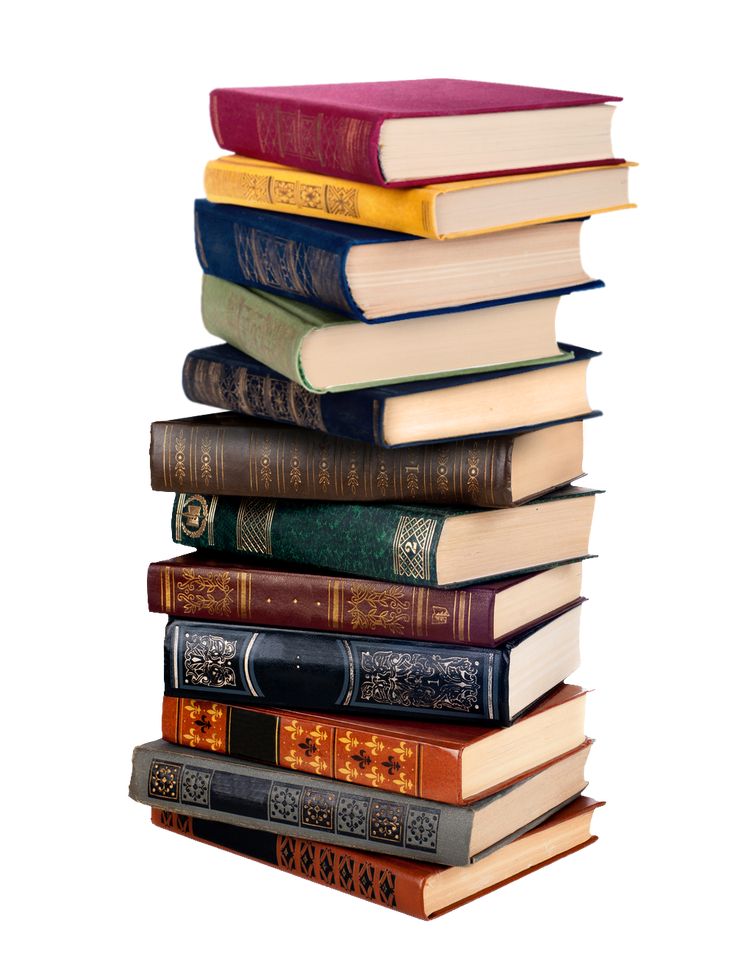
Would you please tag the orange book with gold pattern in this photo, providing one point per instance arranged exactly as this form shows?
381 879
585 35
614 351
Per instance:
446 762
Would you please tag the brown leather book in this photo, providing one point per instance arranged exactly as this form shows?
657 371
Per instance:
210 587
418 889
233 455
447 762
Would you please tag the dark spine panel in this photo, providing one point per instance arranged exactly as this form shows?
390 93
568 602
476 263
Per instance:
311 671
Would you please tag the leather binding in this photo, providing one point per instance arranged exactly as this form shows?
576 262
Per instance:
335 128
241 456
203 586
388 541
414 758
305 258
223 377
292 803
290 669
385 880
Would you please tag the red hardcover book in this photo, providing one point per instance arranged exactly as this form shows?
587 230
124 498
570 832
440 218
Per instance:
349 130
200 586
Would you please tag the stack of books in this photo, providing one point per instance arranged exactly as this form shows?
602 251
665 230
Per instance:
366 656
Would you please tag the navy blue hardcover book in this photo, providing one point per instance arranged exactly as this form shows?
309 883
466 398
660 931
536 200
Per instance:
402 414
307 259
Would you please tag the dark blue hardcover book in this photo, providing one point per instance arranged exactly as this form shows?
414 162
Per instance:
401 414
307 259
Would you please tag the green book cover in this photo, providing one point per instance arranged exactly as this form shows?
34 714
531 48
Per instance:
392 541
272 329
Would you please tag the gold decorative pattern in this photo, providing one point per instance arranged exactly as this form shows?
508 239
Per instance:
353 480
254 522
323 475
328 141
473 471
289 266
269 190
180 457
192 515
442 470
412 545
294 474
205 459
381 480
411 472
266 474
210 592
378 609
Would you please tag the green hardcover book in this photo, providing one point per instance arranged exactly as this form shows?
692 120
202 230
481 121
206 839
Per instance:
422 546
329 352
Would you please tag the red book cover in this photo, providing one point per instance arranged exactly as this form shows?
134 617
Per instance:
334 128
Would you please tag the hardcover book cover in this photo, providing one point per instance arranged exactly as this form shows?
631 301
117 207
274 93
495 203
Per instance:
306 670
277 800
255 183
205 586
236 455
411 757
306 258
223 377
334 128
386 880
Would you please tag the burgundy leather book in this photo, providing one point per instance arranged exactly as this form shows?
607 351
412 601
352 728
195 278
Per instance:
343 129
197 586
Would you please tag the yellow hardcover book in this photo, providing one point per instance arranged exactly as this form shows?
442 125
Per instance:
439 211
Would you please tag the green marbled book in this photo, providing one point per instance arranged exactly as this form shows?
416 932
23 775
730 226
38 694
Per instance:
418 545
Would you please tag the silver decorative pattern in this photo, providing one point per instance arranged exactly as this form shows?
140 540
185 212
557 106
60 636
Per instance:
206 661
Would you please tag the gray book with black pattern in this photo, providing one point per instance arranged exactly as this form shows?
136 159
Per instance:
291 803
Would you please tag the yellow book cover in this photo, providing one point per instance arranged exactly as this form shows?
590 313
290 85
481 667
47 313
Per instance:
434 211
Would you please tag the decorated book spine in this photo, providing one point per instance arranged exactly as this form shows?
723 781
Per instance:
385 880
217 377
305 670
332 604
333 143
345 752
242 459
300 669
275 800
378 540
270 252
233 179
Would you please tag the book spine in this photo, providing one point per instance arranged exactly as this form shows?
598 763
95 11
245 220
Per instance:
334 144
234 180
306 670
387 542
256 251
254 325
384 880
238 459
332 604
275 800
296 741
232 386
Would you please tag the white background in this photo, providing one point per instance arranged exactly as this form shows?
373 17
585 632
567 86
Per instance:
106 133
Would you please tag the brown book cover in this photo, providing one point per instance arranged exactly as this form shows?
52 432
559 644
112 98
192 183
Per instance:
209 587
233 455
399 884
414 758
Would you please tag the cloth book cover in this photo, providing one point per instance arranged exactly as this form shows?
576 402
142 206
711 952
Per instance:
301 257
295 804
272 329
386 880
411 757
357 675
205 586
334 128
393 542
223 377
245 181
240 456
